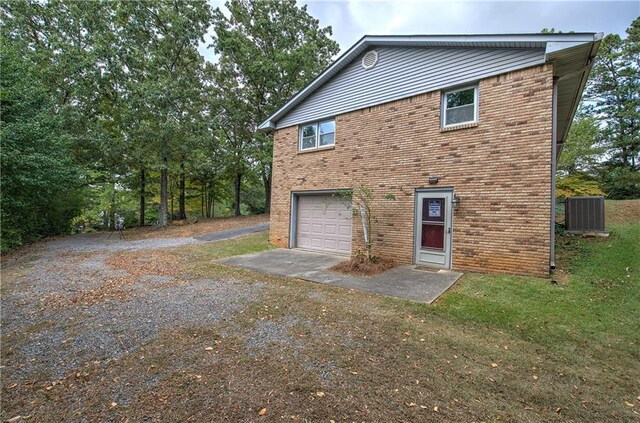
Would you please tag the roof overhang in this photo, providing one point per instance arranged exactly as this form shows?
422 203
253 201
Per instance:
572 64
571 53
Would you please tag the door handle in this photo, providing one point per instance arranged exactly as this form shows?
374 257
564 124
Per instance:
448 230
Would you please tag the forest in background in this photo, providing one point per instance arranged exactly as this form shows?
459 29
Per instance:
109 111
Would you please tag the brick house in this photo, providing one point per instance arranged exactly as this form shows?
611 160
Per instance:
457 137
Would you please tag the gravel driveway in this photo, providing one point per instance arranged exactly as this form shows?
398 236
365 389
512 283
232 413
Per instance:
66 307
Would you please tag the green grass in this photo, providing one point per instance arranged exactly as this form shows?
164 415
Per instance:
248 244
598 305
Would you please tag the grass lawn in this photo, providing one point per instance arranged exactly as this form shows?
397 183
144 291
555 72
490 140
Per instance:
493 348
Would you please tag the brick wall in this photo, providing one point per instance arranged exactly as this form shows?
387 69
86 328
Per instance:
500 169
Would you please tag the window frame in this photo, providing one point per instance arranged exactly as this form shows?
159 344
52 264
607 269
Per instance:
444 108
316 125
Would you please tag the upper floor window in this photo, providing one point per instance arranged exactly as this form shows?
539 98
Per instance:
317 135
460 106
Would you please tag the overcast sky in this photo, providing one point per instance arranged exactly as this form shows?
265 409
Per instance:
351 19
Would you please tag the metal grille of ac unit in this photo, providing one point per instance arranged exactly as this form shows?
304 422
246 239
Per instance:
584 214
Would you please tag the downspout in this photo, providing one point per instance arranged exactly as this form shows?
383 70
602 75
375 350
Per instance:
554 143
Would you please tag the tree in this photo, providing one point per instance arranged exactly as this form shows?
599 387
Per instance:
39 188
168 74
577 185
268 50
581 151
614 90
364 200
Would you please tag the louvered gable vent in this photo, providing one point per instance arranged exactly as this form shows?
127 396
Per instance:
370 59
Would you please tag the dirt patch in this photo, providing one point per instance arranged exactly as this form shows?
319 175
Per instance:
359 266
191 228
622 211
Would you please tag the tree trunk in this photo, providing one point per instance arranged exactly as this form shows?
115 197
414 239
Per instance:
143 203
209 205
202 199
237 182
182 213
164 179
112 211
266 179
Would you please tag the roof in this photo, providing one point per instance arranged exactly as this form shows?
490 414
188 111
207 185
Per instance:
572 53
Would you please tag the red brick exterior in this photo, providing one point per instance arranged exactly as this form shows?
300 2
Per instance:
499 168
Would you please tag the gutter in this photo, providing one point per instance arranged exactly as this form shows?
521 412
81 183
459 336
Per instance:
554 141
586 70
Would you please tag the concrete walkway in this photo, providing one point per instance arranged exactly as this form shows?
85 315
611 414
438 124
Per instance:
401 282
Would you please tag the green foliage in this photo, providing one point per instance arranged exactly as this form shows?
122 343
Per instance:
621 182
581 151
614 88
577 185
254 199
123 84
39 192
603 145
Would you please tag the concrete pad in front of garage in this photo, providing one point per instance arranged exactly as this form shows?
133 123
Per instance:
404 282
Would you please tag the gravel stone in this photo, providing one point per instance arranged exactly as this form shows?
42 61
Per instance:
47 335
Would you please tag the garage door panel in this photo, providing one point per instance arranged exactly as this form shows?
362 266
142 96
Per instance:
331 215
344 246
304 227
345 230
324 223
330 244
306 213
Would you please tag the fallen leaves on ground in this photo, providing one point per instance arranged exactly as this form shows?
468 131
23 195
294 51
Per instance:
196 227
150 262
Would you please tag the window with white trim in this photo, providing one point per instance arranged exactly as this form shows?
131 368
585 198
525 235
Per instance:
317 135
460 106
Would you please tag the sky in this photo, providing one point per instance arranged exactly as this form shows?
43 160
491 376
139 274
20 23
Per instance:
351 19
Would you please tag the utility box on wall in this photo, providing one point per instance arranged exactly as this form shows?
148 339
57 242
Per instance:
584 214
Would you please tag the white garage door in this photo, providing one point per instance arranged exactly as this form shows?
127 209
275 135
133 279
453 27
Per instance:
324 223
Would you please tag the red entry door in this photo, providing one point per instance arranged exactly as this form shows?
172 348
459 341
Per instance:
433 228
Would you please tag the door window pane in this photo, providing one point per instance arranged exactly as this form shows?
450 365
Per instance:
433 236
433 209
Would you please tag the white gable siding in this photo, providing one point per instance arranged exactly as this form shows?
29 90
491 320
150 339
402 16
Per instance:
405 72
